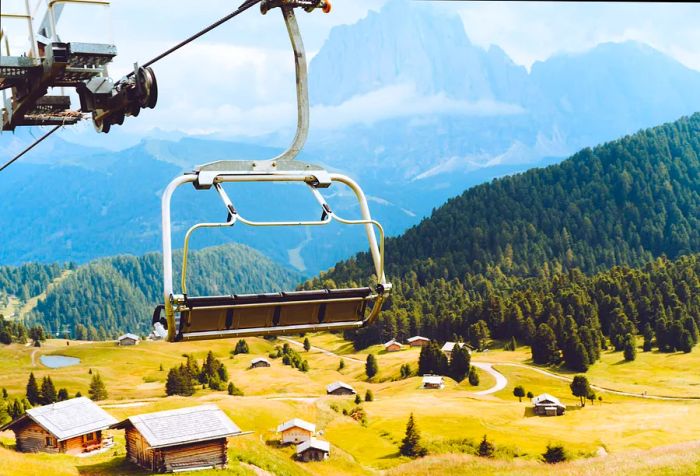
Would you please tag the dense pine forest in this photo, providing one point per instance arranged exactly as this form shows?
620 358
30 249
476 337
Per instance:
513 259
113 295
621 203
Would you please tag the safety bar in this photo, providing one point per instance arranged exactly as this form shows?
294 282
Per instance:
303 176
234 216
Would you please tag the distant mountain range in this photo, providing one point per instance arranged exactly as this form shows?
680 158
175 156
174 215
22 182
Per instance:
402 101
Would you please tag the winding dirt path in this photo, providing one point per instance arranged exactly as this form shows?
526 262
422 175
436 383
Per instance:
501 380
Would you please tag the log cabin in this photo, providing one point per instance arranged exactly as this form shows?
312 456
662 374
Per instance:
418 341
296 431
433 382
340 388
313 450
128 339
449 347
259 362
392 346
73 426
547 405
177 440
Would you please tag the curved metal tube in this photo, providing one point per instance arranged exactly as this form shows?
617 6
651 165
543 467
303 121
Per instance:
302 88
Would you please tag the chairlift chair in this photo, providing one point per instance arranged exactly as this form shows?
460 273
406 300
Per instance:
237 315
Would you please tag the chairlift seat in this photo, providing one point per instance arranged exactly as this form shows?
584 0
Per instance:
207 317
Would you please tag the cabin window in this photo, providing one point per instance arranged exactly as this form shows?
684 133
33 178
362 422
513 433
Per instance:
50 441
90 436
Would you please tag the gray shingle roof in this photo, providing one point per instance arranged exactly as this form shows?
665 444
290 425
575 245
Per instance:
314 443
186 425
70 418
128 335
296 422
330 388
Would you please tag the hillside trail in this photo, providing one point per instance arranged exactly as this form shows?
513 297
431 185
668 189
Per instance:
501 380
598 387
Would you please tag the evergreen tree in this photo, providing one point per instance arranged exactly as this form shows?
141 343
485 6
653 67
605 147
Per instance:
33 394
341 365
581 388
486 448
358 400
473 377
544 346
307 344
369 396
575 355
241 347
460 362
62 395
555 454
97 390
411 443
48 392
173 383
630 348
4 393
371 366
686 344
405 371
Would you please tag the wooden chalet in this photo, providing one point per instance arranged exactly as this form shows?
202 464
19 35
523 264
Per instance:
340 388
296 431
393 345
418 341
449 347
178 440
128 339
433 382
313 450
547 405
259 362
73 426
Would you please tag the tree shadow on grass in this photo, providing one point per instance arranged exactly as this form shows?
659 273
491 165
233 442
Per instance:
117 465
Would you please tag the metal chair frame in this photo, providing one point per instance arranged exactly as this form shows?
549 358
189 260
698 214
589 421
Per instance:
283 168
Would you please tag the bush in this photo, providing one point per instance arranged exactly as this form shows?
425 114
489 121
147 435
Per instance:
473 377
555 454
369 396
341 364
233 390
358 400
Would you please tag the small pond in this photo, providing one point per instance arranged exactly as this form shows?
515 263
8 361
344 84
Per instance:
58 361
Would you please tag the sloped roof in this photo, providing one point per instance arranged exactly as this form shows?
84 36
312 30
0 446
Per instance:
69 418
336 385
449 346
296 422
546 399
314 443
433 379
391 342
415 338
186 425
128 335
258 360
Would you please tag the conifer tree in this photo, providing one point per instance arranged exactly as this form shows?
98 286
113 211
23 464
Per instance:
48 392
411 443
486 448
473 376
371 366
307 344
33 394
459 363
62 395
630 348
97 390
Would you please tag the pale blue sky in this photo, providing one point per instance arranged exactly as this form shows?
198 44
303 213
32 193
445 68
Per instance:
239 79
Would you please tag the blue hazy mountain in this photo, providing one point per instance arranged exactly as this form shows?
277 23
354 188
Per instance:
421 114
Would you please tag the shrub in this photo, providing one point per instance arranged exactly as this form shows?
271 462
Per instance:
486 448
555 454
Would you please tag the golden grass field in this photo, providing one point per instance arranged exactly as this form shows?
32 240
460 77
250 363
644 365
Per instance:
640 436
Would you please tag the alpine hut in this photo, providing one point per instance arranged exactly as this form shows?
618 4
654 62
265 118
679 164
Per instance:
259 362
72 426
313 450
547 405
177 440
340 388
418 341
128 339
296 431
392 346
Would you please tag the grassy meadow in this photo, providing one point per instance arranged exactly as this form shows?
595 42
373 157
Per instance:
451 421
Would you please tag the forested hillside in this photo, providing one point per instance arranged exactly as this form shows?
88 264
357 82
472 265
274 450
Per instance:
624 202
509 259
106 297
